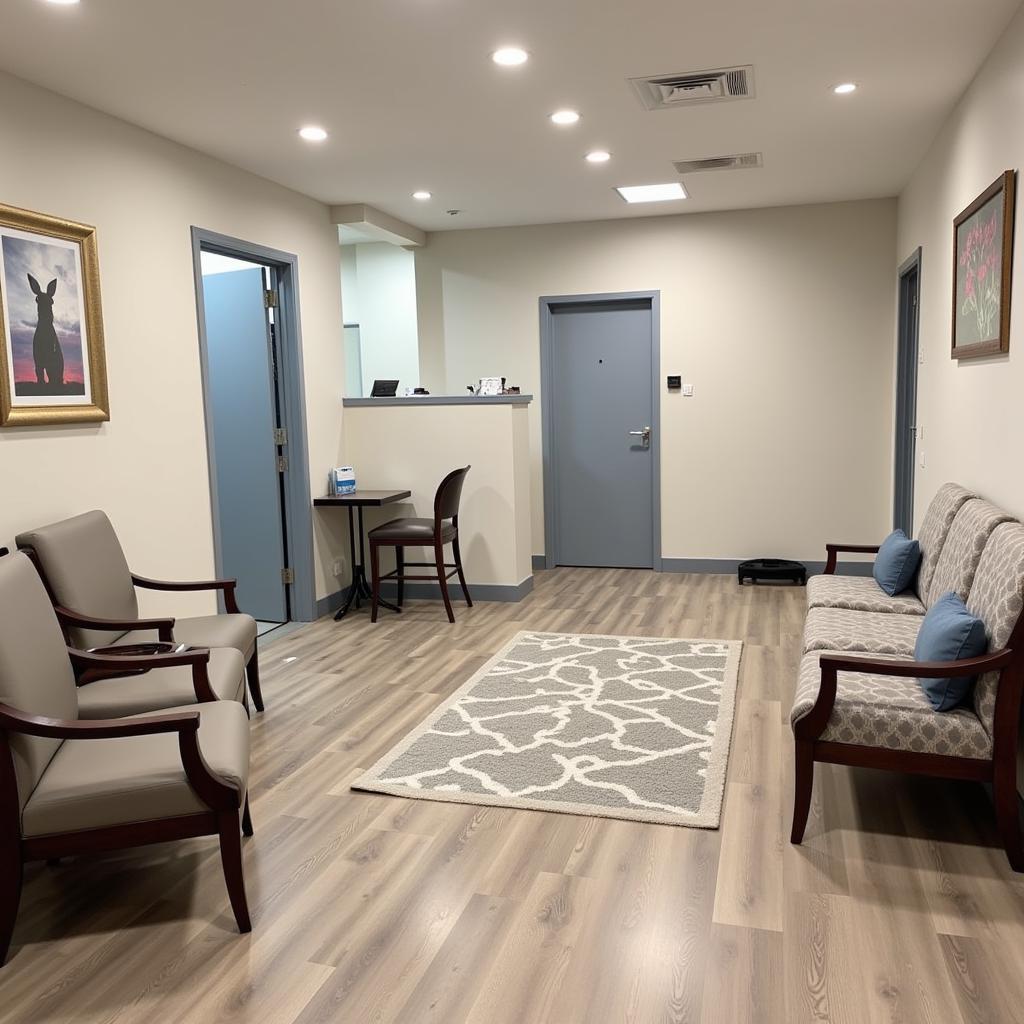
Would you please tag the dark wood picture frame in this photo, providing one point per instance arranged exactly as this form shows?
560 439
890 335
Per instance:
1004 187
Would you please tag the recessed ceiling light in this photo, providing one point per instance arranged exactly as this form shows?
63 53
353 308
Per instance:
652 193
510 56
62 3
312 133
565 116
421 194
598 156
844 88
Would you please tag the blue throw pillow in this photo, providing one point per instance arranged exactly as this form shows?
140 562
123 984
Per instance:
949 633
896 562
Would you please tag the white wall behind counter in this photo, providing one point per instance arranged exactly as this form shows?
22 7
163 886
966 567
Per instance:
783 319
147 467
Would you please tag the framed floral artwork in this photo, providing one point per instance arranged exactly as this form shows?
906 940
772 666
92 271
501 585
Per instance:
983 271
52 365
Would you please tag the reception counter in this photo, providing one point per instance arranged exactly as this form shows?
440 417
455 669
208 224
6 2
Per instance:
412 443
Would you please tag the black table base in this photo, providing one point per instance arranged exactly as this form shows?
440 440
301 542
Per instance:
359 589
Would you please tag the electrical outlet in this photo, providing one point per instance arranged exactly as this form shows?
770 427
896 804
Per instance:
339 567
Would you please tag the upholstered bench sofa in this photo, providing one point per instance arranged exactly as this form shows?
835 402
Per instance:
858 697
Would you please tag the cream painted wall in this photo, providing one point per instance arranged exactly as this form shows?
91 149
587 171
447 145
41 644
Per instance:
781 318
495 512
970 412
147 467
378 280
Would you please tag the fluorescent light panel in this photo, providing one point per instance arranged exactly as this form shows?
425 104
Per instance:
652 193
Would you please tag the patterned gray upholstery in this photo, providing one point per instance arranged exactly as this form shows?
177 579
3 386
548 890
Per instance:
948 500
839 629
997 597
859 593
889 711
961 553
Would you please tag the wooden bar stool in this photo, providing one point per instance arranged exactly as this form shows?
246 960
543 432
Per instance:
402 533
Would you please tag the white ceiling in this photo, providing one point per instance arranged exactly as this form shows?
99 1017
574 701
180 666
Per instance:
411 99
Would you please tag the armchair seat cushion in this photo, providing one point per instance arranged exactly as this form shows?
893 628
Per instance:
238 631
161 688
100 783
839 629
861 594
888 711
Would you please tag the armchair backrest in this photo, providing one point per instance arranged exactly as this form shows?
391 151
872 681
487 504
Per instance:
948 500
35 673
997 598
84 567
958 561
449 495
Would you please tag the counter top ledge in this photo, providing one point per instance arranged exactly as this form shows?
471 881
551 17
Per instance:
466 399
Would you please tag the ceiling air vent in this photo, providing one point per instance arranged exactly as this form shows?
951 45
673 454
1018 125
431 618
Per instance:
736 162
666 92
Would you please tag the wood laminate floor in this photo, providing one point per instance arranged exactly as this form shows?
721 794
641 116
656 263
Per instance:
899 907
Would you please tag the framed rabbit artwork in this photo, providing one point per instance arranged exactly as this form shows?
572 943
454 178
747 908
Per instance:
52 365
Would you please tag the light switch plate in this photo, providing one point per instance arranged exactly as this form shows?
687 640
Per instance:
688 391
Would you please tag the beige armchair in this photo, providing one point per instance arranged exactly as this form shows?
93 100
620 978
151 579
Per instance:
85 571
70 786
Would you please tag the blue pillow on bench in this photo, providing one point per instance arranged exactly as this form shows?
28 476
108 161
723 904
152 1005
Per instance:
949 633
896 562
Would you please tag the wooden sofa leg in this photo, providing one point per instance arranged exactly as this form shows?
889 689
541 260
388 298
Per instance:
803 788
246 818
1004 793
10 894
231 861
252 675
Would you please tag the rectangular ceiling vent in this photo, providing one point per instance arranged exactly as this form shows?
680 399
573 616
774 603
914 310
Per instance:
668 92
736 162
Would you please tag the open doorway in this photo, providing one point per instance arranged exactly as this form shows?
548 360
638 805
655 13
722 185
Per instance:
906 394
255 426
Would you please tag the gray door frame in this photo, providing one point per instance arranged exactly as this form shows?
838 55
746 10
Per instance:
548 303
905 425
298 508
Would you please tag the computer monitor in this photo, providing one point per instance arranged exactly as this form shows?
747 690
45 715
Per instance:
384 389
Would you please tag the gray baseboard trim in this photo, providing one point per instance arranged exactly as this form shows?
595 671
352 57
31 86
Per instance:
540 562
728 566
478 591
331 603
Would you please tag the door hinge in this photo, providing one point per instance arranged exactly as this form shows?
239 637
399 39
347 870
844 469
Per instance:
287 576
280 435
282 463
270 298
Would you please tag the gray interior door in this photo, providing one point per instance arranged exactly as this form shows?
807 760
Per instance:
241 397
906 397
601 387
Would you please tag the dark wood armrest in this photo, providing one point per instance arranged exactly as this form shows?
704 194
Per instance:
832 550
14 720
917 669
92 666
812 725
210 788
67 617
228 586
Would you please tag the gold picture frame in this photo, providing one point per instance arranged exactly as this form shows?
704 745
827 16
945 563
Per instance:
52 358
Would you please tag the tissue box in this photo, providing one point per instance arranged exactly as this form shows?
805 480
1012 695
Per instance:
343 480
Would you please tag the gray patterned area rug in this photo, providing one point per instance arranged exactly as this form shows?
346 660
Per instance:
614 726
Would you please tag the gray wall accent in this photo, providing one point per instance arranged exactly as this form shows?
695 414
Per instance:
546 302
297 488
432 592
466 399
728 566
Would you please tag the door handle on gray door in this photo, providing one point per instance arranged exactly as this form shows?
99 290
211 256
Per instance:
644 435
